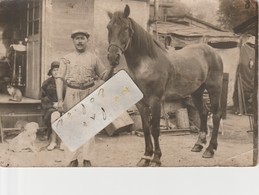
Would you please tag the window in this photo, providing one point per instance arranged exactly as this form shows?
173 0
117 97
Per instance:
33 17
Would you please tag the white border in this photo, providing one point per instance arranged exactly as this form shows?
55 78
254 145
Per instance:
130 181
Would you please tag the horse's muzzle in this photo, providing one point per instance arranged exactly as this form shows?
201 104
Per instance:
114 58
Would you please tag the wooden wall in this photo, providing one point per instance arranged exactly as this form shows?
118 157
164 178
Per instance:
230 58
60 18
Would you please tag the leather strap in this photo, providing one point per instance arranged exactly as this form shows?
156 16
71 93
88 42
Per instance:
81 86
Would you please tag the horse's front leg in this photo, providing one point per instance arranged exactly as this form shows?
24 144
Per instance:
155 129
144 111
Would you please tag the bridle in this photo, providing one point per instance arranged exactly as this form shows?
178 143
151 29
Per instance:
128 42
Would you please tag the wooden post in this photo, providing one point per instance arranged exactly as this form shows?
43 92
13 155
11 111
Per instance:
1 130
242 94
240 102
14 68
165 115
156 12
224 95
255 99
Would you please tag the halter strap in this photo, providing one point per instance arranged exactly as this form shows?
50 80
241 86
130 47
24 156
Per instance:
128 42
115 45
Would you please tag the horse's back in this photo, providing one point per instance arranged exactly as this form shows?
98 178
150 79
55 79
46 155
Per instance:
200 51
197 56
208 55
191 58
191 67
193 50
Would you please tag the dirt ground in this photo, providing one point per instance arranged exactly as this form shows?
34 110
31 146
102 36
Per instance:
234 149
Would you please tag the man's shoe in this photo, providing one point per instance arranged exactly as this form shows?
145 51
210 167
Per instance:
73 163
51 146
87 163
62 146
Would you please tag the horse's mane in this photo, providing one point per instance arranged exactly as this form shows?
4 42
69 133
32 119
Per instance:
144 41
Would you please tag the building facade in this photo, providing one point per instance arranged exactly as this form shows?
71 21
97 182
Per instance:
44 27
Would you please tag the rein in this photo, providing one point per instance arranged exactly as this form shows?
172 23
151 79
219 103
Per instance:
128 42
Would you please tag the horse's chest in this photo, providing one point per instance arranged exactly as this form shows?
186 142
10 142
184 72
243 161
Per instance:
150 78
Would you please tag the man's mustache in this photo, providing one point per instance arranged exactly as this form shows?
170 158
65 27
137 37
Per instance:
80 44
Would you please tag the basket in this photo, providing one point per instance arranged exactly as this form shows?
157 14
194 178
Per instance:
182 119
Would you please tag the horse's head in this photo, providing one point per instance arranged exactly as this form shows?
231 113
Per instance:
120 33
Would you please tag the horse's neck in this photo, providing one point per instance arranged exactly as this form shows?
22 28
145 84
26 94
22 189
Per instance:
132 58
135 54
141 46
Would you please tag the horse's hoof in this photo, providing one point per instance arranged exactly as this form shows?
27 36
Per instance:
155 164
208 154
197 148
143 163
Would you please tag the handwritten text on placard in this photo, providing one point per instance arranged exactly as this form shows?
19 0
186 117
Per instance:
97 110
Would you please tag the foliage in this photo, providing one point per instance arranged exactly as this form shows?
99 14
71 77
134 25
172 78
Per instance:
234 12
178 8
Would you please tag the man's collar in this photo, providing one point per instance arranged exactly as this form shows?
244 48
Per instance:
80 53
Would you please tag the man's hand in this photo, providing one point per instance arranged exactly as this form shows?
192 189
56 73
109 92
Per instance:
109 73
60 106
55 105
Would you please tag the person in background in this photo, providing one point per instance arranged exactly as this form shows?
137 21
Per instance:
49 102
81 72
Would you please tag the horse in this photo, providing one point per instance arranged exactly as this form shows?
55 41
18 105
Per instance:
162 76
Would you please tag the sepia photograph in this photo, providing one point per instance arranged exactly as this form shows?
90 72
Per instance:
128 83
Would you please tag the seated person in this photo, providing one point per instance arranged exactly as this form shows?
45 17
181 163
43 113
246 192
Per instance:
49 103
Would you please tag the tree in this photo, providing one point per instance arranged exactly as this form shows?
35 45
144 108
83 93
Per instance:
178 8
233 12
205 10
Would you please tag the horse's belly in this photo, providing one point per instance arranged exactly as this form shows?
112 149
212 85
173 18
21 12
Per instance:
176 93
182 86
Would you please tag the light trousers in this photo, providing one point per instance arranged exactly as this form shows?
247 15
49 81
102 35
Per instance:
73 96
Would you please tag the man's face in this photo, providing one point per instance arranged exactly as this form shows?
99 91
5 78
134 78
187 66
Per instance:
80 42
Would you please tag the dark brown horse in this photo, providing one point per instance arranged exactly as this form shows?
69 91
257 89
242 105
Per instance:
163 76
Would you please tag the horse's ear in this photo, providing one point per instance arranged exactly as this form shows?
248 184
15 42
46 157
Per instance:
126 11
109 14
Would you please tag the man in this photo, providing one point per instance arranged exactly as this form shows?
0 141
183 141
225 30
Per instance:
82 72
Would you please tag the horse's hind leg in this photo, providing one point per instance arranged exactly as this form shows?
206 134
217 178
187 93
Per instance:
197 98
215 98
155 129
145 117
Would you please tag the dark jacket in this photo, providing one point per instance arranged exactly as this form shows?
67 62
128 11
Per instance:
48 96
48 93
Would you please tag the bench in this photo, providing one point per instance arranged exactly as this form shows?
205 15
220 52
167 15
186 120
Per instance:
27 109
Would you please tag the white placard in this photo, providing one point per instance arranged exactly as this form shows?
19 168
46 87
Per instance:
97 110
